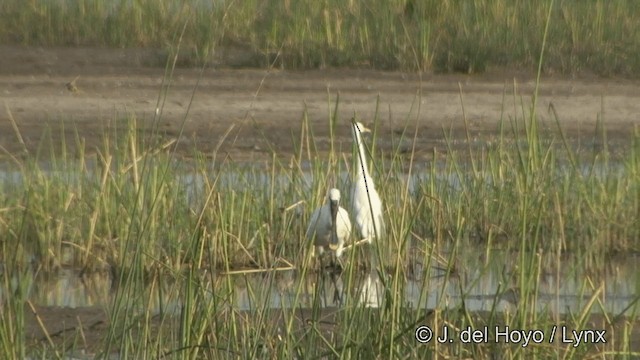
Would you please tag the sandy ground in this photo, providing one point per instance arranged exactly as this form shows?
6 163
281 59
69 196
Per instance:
263 110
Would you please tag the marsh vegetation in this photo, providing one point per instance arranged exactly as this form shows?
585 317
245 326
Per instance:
183 238
441 36
139 212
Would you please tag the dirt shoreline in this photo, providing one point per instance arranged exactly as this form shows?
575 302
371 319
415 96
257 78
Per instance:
62 327
263 110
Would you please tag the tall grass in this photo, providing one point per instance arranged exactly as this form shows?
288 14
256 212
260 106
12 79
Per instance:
467 36
150 218
171 230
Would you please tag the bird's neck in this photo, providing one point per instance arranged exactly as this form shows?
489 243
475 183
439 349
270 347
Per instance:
361 160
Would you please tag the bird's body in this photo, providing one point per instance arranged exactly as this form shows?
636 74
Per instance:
364 197
329 225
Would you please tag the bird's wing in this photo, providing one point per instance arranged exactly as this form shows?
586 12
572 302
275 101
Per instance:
313 223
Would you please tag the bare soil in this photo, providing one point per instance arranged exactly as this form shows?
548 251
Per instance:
84 329
262 110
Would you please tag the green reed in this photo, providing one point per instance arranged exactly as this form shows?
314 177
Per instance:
133 207
172 229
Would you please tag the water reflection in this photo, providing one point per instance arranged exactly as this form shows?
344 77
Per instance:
72 289
482 285
371 291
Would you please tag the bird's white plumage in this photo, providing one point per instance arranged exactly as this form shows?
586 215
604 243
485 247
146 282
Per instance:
321 222
364 197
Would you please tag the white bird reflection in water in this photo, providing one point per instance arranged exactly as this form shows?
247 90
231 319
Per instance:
371 291
479 284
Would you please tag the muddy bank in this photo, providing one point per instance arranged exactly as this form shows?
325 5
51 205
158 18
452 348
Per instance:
248 113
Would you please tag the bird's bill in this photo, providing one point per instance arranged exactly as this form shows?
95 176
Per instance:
359 127
333 245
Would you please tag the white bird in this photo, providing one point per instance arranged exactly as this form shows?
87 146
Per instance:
364 197
329 225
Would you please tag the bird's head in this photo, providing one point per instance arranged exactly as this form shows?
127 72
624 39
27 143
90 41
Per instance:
359 127
334 195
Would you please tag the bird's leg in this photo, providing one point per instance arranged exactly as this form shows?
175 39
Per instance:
336 264
337 297
339 265
334 272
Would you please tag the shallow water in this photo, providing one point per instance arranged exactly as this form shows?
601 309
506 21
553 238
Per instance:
484 281
482 284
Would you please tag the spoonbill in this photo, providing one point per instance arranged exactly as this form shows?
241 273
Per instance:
365 201
329 225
